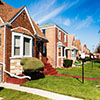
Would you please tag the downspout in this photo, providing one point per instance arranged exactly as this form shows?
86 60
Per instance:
4 50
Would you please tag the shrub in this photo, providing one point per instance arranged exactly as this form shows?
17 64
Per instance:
96 60
31 64
68 63
86 59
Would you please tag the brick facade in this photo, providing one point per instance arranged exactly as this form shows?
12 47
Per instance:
51 34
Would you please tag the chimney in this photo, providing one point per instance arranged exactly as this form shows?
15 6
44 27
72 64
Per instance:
38 24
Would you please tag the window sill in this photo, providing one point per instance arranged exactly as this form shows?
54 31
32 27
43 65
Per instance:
16 57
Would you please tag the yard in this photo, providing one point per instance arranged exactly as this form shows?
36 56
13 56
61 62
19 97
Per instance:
9 94
71 86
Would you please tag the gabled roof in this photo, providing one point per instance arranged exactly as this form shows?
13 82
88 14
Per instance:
51 25
38 31
7 12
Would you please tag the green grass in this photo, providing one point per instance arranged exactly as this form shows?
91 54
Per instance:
71 86
9 94
89 71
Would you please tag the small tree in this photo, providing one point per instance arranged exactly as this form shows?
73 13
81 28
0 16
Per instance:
97 49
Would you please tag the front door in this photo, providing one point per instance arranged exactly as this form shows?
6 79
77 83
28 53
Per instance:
1 73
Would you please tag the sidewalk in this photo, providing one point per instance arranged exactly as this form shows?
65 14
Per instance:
43 93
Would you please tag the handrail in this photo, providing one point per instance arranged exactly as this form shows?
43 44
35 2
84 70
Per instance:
19 77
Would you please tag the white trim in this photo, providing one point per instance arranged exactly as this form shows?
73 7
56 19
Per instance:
21 45
65 38
1 20
5 24
4 46
59 34
30 19
16 15
23 29
19 77
27 15
41 37
53 26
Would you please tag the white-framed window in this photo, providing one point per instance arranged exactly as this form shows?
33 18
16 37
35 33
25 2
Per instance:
59 34
44 48
64 37
0 40
21 45
73 53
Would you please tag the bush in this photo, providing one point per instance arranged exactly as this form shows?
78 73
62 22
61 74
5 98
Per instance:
86 59
31 64
68 63
96 60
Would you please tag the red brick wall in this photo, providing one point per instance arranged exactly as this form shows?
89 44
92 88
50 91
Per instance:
19 21
2 44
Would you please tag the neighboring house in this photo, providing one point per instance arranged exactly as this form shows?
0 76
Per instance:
78 45
85 50
57 48
19 37
72 53
96 55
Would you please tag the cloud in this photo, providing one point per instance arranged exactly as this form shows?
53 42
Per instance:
67 22
84 23
51 14
43 10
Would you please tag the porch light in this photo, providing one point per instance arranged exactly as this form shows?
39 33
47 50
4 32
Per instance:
83 57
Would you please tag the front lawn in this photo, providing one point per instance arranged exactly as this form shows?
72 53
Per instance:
9 94
89 71
71 86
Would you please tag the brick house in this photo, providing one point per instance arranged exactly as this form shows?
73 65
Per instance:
72 53
78 45
57 47
19 37
85 49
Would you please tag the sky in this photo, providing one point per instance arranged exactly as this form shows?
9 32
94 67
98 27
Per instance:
79 17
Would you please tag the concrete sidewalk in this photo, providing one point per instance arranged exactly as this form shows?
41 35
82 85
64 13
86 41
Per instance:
43 93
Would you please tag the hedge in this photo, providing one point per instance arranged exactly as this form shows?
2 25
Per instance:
31 64
68 63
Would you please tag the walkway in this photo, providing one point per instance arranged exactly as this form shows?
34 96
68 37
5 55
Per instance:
43 93
78 77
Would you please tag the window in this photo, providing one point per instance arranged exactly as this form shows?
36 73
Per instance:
21 45
24 16
64 37
59 52
43 48
0 39
59 35
63 51
43 30
26 46
73 53
17 45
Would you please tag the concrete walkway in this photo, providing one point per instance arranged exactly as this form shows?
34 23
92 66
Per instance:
1 98
43 93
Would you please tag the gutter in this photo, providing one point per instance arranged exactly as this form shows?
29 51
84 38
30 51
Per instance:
38 36
4 25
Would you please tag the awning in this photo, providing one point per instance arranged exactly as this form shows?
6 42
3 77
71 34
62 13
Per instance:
74 48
